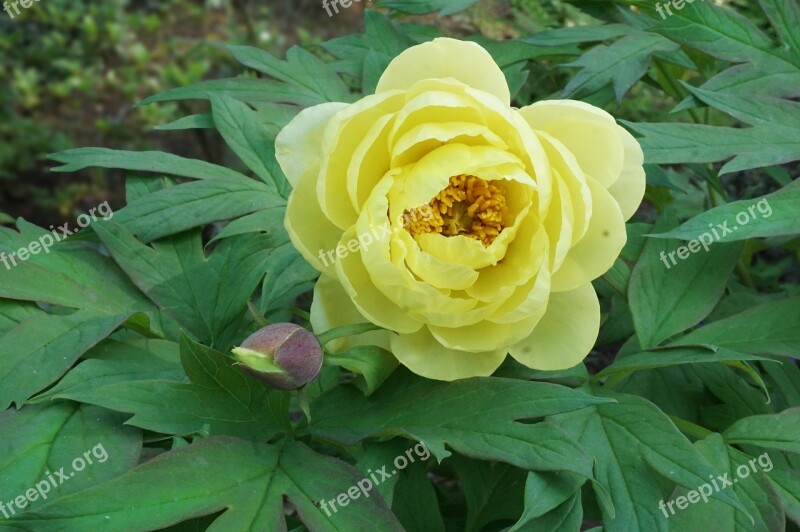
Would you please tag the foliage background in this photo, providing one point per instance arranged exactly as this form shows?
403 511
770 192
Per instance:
695 369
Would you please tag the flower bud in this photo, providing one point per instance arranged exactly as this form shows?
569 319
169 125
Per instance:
282 355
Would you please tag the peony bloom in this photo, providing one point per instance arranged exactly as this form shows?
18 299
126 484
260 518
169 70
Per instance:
468 229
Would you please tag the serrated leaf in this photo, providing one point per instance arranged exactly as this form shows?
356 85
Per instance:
630 439
672 357
415 503
771 328
475 417
206 295
302 70
493 491
622 64
41 441
775 214
145 161
544 492
247 480
753 490
119 361
191 205
39 350
667 298
243 89
221 399
770 431
249 139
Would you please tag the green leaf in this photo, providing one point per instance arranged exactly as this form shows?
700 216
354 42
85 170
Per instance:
243 89
142 161
752 489
493 491
221 399
302 70
622 64
771 431
421 7
684 143
771 329
371 365
415 503
775 214
176 209
544 492
667 298
38 351
475 417
672 357
201 121
206 295
115 361
728 35
578 34
249 139
785 18
629 440
56 438
249 481
287 276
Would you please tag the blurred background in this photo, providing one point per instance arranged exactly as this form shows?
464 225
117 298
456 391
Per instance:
71 72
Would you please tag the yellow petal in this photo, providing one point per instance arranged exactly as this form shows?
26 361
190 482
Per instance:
297 146
368 299
590 133
596 252
628 190
566 333
484 335
370 161
312 234
424 138
465 61
434 271
340 141
422 354
332 307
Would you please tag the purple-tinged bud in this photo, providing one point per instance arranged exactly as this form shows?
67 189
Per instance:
282 355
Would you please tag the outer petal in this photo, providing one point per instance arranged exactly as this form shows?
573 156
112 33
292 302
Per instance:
596 252
566 333
311 232
360 288
628 190
297 146
590 133
332 307
422 354
465 61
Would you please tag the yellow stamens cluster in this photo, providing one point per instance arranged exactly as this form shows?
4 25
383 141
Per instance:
469 206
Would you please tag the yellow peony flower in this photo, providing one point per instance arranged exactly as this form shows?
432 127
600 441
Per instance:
468 228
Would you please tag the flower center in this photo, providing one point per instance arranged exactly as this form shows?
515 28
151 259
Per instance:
469 206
